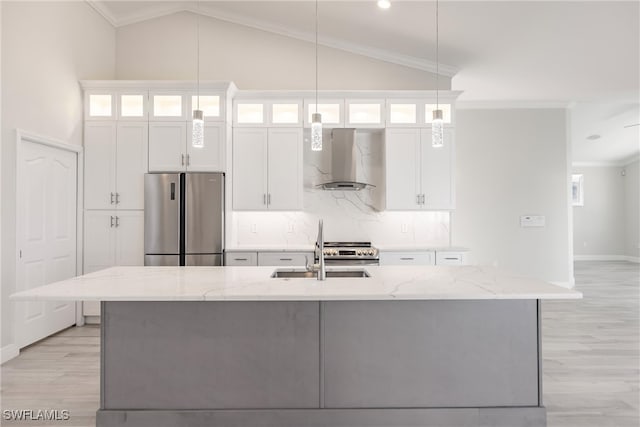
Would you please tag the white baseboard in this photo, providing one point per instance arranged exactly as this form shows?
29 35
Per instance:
8 352
92 320
606 258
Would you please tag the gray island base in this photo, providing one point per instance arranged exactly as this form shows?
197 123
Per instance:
321 363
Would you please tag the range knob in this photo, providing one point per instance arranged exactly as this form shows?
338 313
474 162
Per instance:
358 252
334 252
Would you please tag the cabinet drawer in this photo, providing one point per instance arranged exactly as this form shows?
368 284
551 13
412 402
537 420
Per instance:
241 259
285 258
450 258
407 258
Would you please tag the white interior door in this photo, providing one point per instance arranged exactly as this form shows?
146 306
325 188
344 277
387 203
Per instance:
45 236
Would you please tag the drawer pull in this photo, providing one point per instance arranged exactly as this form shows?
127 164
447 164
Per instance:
286 259
240 259
452 259
406 259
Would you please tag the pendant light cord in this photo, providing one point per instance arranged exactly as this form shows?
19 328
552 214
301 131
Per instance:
316 56
437 56
198 53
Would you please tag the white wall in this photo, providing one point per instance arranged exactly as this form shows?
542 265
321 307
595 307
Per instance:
632 210
165 48
47 47
599 225
512 163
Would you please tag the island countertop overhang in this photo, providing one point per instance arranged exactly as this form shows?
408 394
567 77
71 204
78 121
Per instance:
256 284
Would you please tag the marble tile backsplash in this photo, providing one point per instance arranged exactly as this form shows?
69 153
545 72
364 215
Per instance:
347 215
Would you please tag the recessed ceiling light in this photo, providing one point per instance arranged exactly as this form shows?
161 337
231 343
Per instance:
593 137
384 4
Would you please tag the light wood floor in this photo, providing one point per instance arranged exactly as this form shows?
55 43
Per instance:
590 349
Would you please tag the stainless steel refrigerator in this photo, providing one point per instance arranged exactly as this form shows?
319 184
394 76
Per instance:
183 219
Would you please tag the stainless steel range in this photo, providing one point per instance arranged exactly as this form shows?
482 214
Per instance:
350 253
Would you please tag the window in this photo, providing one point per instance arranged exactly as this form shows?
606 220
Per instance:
577 189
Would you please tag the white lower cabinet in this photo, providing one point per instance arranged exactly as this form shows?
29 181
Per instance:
452 258
240 259
111 238
408 258
294 259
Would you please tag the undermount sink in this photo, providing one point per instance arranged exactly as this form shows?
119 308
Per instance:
304 274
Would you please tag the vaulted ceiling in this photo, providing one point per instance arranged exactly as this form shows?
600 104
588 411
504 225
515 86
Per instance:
546 52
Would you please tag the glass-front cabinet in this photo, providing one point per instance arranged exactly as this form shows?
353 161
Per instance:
332 111
99 105
365 113
168 106
211 104
132 105
271 113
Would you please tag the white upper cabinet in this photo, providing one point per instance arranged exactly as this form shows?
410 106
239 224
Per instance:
268 113
100 165
99 105
267 169
418 176
167 146
115 162
365 113
404 113
168 106
332 111
171 150
133 105
211 104
211 157
131 160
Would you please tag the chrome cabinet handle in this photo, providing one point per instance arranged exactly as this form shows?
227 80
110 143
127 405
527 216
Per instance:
188 159
417 199
111 221
117 198
111 198
117 221
182 160
422 199
286 259
406 259
269 198
264 199
240 259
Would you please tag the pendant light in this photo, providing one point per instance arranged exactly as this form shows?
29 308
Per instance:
316 118
197 136
437 123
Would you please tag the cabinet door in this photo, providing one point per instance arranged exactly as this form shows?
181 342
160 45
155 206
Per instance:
285 169
131 164
249 169
99 240
402 148
129 249
241 259
438 172
209 158
99 165
167 143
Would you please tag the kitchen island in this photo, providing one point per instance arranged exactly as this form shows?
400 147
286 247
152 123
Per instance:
231 346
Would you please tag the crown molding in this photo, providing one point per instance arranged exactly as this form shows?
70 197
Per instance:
615 163
262 25
505 104
99 7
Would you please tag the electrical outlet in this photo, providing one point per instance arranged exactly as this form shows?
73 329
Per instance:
404 228
254 228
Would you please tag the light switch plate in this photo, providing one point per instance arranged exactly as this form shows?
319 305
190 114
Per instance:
532 221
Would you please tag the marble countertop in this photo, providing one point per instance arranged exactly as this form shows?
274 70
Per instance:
255 284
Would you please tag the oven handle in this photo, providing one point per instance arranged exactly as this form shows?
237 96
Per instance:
347 262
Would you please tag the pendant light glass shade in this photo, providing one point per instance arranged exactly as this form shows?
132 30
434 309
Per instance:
437 129
197 137
316 132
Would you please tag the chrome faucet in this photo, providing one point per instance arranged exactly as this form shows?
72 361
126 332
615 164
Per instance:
319 255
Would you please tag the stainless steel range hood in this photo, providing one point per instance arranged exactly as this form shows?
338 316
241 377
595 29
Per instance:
343 162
